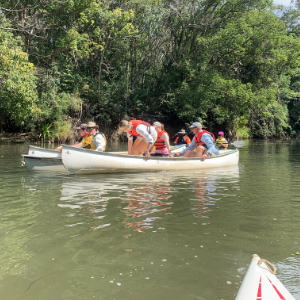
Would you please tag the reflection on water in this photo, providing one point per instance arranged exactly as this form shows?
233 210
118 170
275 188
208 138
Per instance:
161 235
141 198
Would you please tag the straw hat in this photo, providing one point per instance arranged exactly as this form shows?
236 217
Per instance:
92 124
182 131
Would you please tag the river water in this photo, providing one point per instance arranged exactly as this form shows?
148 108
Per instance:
166 235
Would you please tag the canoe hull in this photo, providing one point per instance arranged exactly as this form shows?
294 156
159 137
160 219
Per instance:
44 164
260 284
83 161
41 152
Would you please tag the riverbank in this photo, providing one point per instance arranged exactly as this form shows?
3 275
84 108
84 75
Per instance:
19 138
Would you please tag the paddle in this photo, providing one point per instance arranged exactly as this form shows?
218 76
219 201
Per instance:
238 144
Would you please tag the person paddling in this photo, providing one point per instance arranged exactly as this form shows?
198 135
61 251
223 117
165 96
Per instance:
221 141
203 142
145 133
95 140
82 130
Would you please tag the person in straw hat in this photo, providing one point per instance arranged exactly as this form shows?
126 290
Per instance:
145 133
182 138
83 134
203 142
95 140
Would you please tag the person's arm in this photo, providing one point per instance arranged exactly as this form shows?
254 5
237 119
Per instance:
225 144
99 142
188 140
208 141
176 141
165 138
142 130
130 143
77 145
190 147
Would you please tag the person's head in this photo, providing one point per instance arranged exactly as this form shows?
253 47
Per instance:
158 126
196 127
182 132
124 126
92 127
220 134
82 129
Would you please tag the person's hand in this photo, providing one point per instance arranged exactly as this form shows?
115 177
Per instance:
58 148
176 154
204 156
147 154
170 155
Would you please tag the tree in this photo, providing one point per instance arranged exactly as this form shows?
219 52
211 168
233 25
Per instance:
17 83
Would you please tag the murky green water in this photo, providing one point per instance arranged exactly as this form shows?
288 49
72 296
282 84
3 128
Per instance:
167 235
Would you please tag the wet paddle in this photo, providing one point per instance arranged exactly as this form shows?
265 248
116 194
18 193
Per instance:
238 144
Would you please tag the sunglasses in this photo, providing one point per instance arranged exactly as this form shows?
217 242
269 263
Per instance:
89 128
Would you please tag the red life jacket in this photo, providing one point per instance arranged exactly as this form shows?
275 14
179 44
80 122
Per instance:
199 135
160 144
135 124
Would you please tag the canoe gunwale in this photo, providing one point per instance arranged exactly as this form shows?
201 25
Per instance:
40 157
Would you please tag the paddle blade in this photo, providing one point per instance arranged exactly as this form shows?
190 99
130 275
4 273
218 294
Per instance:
238 144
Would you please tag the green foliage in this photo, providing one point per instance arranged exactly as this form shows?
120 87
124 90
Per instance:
63 131
45 132
233 64
17 82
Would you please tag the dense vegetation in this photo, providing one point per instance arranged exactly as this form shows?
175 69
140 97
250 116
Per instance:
233 64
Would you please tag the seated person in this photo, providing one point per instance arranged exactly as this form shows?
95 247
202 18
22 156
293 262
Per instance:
221 141
203 142
95 140
145 133
162 145
182 138
83 134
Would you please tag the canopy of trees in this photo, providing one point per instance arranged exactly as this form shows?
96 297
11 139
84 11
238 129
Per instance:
233 64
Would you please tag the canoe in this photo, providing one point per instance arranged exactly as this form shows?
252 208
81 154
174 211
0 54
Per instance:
85 161
40 159
44 164
261 284
42 152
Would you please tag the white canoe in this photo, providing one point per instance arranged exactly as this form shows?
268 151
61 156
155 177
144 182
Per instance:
261 284
85 161
40 159
44 164
42 152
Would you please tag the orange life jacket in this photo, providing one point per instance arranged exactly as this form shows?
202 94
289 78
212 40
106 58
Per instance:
199 135
135 124
160 143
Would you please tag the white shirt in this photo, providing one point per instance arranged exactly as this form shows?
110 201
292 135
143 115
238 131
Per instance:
142 130
99 142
